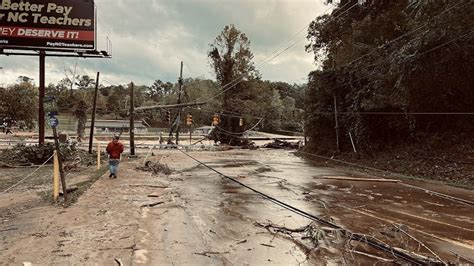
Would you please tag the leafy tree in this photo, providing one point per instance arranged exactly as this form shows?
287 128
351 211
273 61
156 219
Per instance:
159 89
231 59
19 102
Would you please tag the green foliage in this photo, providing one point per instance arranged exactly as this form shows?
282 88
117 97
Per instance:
231 59
19 102
425 70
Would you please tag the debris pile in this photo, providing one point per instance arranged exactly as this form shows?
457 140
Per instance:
155 168
28 155
281 144
22 154
308 237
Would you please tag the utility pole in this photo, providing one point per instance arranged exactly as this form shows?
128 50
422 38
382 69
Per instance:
132 120
337 123
335 110
178 118
91 137
41 116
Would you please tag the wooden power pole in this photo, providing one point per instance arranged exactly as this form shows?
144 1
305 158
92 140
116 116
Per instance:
337 123
132 120
94 107
178 117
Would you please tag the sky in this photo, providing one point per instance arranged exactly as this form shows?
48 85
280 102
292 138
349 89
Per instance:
151 37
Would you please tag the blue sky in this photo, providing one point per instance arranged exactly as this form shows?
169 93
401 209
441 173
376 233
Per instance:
151 37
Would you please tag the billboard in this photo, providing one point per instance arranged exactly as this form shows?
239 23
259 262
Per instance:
47 24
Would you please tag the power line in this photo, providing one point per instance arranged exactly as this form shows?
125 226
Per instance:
384 46
270 58
353 236
392 113
406 60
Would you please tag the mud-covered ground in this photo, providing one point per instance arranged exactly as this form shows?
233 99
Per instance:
194 216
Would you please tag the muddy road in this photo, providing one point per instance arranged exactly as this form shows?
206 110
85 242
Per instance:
194 216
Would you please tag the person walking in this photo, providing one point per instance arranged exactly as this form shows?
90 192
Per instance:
114 150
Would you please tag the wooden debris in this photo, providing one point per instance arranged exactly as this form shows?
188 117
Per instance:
281 144
371 256
155 168
404 229
118 261
360 179
21 165
209 253
267 245
152 204
69 190
152 186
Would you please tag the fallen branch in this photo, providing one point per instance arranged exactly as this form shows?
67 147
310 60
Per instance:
5 165
371 256
69 190
119 261
199 141
281 229
399 227
208 253
152 186
267 245
152 204
360 179
9 229
461 257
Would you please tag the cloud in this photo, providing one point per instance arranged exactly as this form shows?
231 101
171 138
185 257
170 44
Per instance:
151 37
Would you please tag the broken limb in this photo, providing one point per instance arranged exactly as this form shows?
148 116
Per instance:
399 227
152 204
360 179
371 256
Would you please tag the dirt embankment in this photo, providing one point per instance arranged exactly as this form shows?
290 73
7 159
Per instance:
449 164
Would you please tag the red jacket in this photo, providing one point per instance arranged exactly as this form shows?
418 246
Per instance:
114 149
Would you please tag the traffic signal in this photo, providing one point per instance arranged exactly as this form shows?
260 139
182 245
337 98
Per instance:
241 122
168 117
189 119
215 120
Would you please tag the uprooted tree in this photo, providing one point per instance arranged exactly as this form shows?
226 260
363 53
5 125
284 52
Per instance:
231 59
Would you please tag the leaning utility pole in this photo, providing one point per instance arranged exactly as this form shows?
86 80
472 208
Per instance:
132 120
94 107
180 82
177 121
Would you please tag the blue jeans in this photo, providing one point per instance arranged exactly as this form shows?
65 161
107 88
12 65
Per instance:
113 166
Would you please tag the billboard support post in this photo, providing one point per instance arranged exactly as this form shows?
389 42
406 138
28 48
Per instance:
41 115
